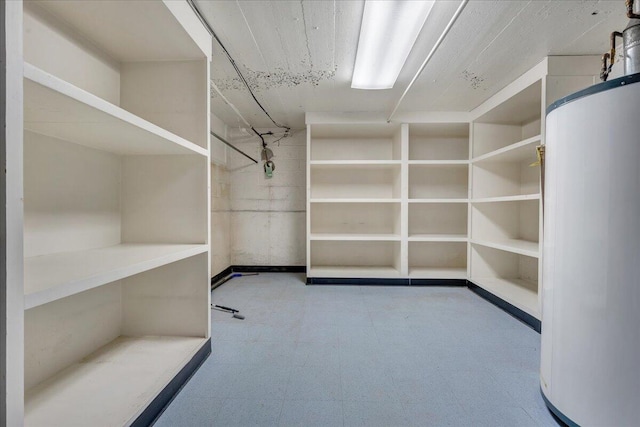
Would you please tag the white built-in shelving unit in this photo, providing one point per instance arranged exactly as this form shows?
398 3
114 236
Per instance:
445 198
506 209
116 205
388 200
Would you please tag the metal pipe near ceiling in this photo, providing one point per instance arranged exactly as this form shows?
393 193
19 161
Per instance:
224 141
429 56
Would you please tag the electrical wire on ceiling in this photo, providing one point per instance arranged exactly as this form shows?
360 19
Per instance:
242 79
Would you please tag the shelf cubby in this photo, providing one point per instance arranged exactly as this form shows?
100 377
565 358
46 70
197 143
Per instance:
377 259
133 335
364 221
438 260
438 221
438 181
365 142
509 276
510 171
138 58
61 110
515 120
445 142
511 226
355 182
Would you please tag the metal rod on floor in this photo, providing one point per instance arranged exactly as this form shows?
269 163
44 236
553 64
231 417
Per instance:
224 141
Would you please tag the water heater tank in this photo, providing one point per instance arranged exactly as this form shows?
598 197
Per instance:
590 368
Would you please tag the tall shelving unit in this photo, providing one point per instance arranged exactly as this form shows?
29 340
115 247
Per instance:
506 212
116 206
387 200
354 200
438 166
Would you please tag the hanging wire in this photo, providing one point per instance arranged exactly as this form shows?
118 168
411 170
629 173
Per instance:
242 78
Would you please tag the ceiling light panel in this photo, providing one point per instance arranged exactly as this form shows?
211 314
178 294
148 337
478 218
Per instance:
388 32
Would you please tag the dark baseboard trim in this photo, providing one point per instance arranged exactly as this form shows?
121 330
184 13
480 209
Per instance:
526 318
218 277
557 413
438 282
157 406
268 269
358 281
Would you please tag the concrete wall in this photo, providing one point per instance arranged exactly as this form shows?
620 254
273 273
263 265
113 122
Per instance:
220 207
268 215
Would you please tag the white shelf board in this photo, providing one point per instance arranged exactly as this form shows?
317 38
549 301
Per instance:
110 386
437 273
61 110
438 200
517 292
438 238
512 153
351 200
354 162
135 30
354 271
522 247
519 198
439 162
354 237
52 277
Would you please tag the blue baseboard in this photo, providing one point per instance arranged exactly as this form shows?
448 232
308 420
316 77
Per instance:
162 400
525 318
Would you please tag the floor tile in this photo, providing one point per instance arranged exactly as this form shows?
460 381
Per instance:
311 413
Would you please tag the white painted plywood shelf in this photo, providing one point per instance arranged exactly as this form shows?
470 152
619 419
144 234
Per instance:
136 31
355 237
354 271
438 162
52 277
517 246
354 162
439 200
110 386
353 200
517 152
517 292
519 198
61 110
438 238
437 273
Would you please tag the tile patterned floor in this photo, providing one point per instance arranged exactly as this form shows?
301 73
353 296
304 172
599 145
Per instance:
361 356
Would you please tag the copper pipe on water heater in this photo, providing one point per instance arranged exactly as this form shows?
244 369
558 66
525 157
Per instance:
630 13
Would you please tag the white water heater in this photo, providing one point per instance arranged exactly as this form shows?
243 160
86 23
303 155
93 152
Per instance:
590 368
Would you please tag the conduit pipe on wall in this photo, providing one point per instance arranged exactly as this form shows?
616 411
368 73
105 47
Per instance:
429 56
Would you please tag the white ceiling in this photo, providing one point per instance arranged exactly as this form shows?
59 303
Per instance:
298 55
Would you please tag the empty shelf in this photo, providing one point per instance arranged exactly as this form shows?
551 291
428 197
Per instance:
61 110
438 238
52 277
522 247
437 273
439 162
517 292
354 162
352 200
347 236
438 200
518 198
111 385
517 152
354 271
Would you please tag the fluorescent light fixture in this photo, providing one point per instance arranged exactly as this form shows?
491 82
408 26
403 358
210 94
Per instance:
388 32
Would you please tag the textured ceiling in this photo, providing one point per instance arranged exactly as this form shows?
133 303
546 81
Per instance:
298 55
